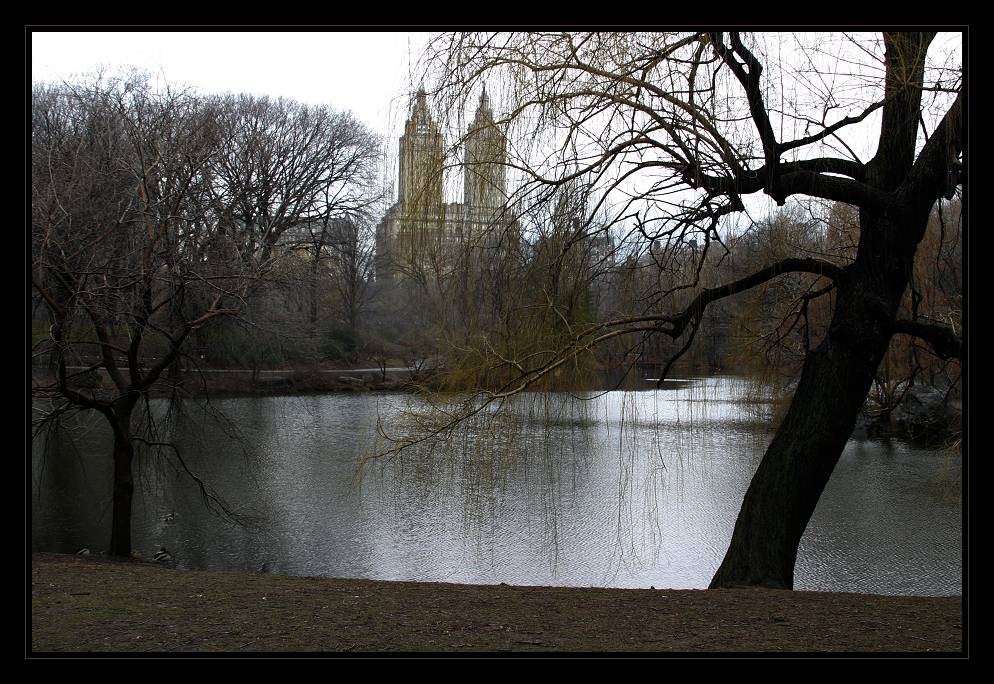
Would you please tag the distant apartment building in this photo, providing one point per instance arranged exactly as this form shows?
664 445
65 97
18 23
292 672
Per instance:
422 232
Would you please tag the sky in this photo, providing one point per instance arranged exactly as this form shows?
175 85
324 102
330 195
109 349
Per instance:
366 73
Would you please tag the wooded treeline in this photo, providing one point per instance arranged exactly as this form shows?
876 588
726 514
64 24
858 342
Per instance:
262 209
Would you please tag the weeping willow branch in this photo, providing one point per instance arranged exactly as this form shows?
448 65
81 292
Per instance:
593 336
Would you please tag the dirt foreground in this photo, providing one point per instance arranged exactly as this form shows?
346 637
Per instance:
94 605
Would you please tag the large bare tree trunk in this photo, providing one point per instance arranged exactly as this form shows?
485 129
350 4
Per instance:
834 382
837 375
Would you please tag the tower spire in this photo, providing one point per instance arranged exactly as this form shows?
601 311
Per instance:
484 107
419 111
484 116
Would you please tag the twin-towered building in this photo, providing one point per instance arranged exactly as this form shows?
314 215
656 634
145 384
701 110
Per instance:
421 231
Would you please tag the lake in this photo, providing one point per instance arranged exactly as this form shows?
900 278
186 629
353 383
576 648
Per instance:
620 489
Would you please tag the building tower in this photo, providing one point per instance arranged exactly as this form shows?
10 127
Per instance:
412 228
421 158
484 181
421 231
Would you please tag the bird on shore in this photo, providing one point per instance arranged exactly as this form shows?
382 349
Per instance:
83 552
163 556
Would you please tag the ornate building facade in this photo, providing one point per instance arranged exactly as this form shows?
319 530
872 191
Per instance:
421 232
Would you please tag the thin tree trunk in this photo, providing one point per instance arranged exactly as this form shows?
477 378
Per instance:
124 452
55 354
175 373
314 294
352 318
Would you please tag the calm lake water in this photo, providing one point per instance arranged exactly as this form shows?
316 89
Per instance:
625 489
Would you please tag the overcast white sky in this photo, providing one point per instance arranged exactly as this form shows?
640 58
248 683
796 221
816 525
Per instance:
365 72
368 73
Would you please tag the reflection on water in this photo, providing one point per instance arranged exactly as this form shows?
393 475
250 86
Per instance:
620 489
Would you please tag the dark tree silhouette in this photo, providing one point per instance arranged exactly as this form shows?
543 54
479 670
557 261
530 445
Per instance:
154 214
683 128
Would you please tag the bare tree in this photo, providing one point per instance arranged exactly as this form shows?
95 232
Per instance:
156 213
115 205
350 264
676 132
287 178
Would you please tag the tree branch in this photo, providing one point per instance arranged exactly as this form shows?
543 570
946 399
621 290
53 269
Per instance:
696 308
945 342
750 83
803 177
937 167
825 132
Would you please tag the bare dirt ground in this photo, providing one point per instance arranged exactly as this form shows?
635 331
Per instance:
95 605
